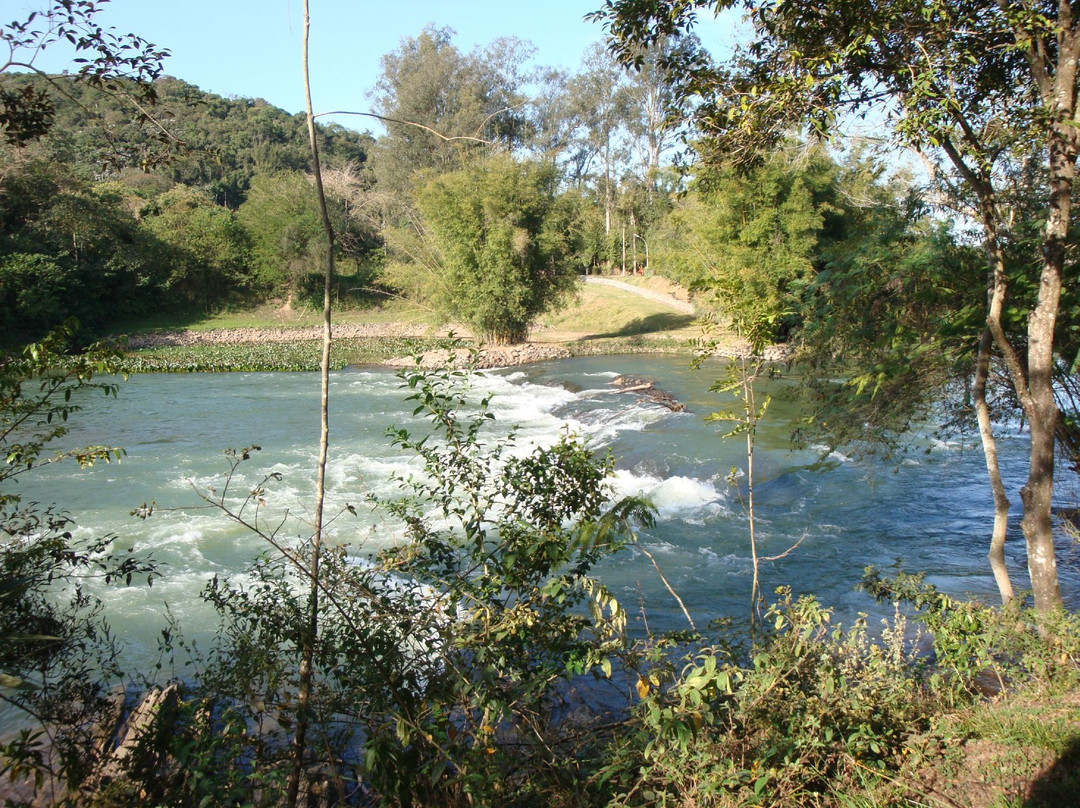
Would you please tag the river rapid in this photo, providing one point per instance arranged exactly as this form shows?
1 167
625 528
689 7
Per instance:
931 508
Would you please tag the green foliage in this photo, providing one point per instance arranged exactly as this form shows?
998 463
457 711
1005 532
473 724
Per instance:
206 249
288 246
883 312
214 144
975 645
57 655
498 246
444 105
508 540
812 705
92 256
106 59
269 356
281 216
753 238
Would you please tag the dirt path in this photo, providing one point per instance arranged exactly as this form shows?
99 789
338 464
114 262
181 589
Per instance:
659 297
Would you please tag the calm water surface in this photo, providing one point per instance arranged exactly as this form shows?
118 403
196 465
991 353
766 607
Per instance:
932 508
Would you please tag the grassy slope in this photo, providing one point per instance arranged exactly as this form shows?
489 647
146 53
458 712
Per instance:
598 312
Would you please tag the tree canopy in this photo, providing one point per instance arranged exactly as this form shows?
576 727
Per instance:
979 89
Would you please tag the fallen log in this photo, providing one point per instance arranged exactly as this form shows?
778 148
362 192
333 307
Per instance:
649 391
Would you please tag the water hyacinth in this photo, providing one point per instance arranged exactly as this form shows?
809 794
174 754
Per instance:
249 357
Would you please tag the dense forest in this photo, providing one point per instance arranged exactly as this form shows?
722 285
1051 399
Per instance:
443 669
205 202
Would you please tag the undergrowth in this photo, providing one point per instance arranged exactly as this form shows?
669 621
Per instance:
817 714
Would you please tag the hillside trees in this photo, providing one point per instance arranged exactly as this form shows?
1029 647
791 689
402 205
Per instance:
976 89
110 62
68 249
206 248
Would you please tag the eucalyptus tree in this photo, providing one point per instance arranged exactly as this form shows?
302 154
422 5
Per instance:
656 112
601 100
439 105
974 87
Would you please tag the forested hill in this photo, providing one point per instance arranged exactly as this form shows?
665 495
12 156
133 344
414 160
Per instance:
123 210
188 137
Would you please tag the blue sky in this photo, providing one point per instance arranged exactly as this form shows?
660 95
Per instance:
251 48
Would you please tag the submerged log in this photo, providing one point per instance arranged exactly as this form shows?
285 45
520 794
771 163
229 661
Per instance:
648 390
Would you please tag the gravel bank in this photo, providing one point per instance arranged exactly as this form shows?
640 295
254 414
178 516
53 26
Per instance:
237 336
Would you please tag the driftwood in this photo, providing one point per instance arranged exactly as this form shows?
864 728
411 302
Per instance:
648 390
139 736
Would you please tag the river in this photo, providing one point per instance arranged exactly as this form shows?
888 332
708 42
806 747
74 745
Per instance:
931 508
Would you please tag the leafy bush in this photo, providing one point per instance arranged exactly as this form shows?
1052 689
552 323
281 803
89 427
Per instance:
811 708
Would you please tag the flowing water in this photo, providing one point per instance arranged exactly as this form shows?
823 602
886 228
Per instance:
931 508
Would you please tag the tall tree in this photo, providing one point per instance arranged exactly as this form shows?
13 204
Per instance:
974 87
601 98
439 104
657 111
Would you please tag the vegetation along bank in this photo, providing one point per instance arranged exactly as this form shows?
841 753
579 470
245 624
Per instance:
923 283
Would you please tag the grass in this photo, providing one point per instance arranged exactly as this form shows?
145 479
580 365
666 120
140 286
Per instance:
274 315
601 320
605 312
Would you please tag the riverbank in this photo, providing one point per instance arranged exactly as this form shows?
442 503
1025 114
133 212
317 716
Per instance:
389 345
611 316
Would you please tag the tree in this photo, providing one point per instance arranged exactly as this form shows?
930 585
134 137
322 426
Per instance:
207 248
281 217
498 245
975 88
656 112
116 64
439 105
69 249
600 95
752 238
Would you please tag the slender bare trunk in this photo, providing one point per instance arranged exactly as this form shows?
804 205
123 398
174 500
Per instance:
1032 383
311 630
751 416
993 470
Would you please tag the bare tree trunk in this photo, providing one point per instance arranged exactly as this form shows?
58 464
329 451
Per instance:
993 470
311 631
1033 384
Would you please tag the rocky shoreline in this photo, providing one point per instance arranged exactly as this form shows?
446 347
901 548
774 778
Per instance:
491 356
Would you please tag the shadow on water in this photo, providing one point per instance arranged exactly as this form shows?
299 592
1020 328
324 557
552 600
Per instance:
1060 785
663 321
